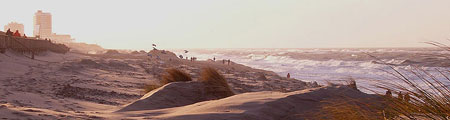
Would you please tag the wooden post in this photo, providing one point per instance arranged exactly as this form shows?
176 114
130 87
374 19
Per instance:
32 54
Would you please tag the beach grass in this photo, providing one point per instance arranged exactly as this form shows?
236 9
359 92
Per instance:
215 83
420 94
175 75
171 75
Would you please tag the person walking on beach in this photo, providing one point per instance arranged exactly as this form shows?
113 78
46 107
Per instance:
288 76
229 61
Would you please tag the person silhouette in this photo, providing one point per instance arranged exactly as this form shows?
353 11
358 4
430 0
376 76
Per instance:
388 93
17 34
288 76
8 32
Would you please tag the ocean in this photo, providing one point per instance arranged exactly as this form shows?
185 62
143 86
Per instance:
369 67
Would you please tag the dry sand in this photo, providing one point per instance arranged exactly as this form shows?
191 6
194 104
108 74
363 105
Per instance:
85 86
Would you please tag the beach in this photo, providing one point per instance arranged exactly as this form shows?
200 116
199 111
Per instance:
76 85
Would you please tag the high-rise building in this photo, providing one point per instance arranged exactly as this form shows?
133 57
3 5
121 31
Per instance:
13 26
43 28
42 24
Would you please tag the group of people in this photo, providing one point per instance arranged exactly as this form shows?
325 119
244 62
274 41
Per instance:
400 96
227 61
16 34
193 59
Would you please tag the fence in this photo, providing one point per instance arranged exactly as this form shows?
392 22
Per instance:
27 45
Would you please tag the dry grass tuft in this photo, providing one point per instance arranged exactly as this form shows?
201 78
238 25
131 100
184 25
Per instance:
172 75
420 94
417 97
215 83
425 97
175 75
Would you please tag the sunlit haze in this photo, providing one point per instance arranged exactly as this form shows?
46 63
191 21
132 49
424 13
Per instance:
134 24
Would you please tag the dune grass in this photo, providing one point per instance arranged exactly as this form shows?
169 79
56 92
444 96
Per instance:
425 97
172 75
420 95
215 83
175 75
417 97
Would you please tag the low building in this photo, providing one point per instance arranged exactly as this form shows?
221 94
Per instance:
13 26
61 38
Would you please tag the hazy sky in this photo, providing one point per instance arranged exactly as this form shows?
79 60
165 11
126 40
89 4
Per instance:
136 24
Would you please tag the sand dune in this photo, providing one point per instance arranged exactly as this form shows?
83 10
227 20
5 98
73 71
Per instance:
266 105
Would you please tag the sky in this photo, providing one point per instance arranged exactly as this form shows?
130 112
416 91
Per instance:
136 24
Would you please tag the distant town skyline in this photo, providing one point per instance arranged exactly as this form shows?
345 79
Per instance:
242 23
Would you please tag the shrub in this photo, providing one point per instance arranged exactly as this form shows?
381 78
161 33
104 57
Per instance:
215 83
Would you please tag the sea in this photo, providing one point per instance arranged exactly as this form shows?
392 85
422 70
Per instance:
371 68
